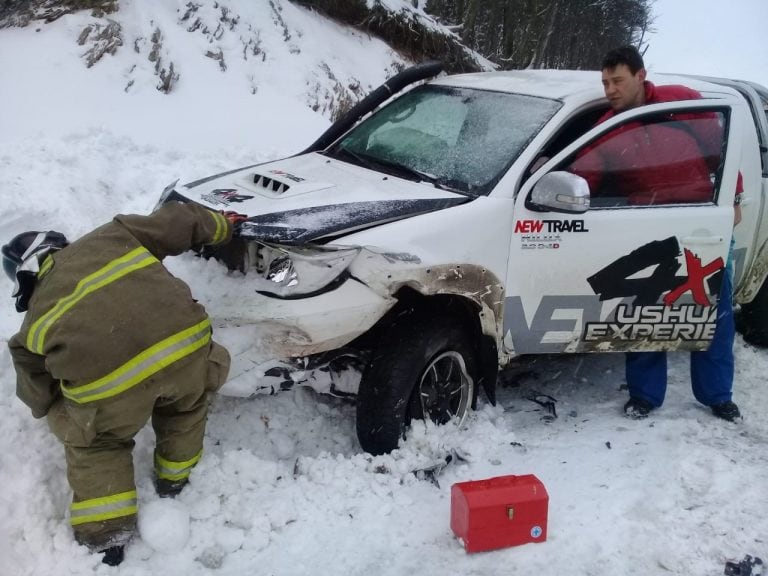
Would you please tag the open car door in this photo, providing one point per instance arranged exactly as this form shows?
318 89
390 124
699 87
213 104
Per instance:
620 241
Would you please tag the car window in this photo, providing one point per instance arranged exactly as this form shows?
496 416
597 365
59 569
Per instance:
462 136
579 123
661 159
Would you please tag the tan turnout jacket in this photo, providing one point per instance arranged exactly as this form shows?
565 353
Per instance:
105 314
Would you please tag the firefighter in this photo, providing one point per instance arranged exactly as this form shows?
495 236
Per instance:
110 338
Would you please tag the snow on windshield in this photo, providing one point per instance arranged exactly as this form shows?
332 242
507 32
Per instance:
466 137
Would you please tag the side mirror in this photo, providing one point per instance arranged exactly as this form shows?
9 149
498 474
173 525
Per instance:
561 192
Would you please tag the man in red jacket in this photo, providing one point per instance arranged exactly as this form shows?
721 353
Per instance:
641 153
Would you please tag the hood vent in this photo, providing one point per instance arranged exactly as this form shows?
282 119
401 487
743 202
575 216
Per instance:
270 184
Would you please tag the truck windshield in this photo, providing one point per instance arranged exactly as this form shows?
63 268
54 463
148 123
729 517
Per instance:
456 138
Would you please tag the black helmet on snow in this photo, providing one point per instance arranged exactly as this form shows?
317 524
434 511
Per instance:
22 257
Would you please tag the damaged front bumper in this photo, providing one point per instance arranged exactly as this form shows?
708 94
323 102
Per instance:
264 333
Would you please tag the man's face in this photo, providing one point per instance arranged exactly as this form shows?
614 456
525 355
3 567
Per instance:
623 89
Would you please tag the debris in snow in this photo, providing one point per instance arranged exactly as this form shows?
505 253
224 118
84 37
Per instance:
749 566
432 471
547 402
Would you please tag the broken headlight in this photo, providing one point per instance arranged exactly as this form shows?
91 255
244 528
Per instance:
293 271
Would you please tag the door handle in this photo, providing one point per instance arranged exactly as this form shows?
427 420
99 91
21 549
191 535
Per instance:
704 240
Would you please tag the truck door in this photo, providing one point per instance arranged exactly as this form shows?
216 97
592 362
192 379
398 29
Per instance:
640 268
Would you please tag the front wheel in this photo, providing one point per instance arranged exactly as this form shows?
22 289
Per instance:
423 368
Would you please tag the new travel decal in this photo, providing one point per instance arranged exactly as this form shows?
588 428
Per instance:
546 234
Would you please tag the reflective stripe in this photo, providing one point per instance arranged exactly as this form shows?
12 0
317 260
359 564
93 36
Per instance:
45 266
168 470
221 228
144 365
99 509
116 269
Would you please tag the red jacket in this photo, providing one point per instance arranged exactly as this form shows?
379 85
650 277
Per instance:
660 163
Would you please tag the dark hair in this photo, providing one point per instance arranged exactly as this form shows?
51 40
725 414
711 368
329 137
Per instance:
628 55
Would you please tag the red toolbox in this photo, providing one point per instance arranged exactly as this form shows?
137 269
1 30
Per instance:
499 512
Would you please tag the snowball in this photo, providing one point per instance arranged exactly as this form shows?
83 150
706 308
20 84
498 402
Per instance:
164 525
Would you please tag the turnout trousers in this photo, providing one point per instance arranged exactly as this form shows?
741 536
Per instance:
98 442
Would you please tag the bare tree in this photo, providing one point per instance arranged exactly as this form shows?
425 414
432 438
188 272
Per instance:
546 33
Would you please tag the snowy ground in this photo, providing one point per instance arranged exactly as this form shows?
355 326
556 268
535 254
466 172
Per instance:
283 487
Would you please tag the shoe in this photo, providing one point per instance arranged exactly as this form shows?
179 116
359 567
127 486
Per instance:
637 408
727 411
113 556
169 488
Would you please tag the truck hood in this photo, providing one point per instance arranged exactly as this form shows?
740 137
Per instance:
309 197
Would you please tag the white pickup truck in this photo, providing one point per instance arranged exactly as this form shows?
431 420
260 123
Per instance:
418 246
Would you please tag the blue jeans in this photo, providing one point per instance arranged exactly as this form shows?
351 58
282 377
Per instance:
711 369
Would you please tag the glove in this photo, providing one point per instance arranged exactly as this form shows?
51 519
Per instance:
234 218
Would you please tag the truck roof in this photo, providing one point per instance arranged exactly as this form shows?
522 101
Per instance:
564 85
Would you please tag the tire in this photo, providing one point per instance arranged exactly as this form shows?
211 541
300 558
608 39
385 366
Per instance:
752 320
423 366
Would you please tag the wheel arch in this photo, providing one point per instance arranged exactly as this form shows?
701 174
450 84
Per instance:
468 312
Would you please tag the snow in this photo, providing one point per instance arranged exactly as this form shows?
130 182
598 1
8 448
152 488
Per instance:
164 525
283 487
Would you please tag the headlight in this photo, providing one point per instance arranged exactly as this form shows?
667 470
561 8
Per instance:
289 272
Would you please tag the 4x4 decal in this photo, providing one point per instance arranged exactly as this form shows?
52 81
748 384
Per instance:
662 307
225 196
695 282
646 317
614 280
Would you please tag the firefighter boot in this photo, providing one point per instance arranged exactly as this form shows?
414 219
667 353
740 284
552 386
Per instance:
113 555
169 488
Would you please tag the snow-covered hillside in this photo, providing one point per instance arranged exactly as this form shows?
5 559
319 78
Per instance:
83 71
283 487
